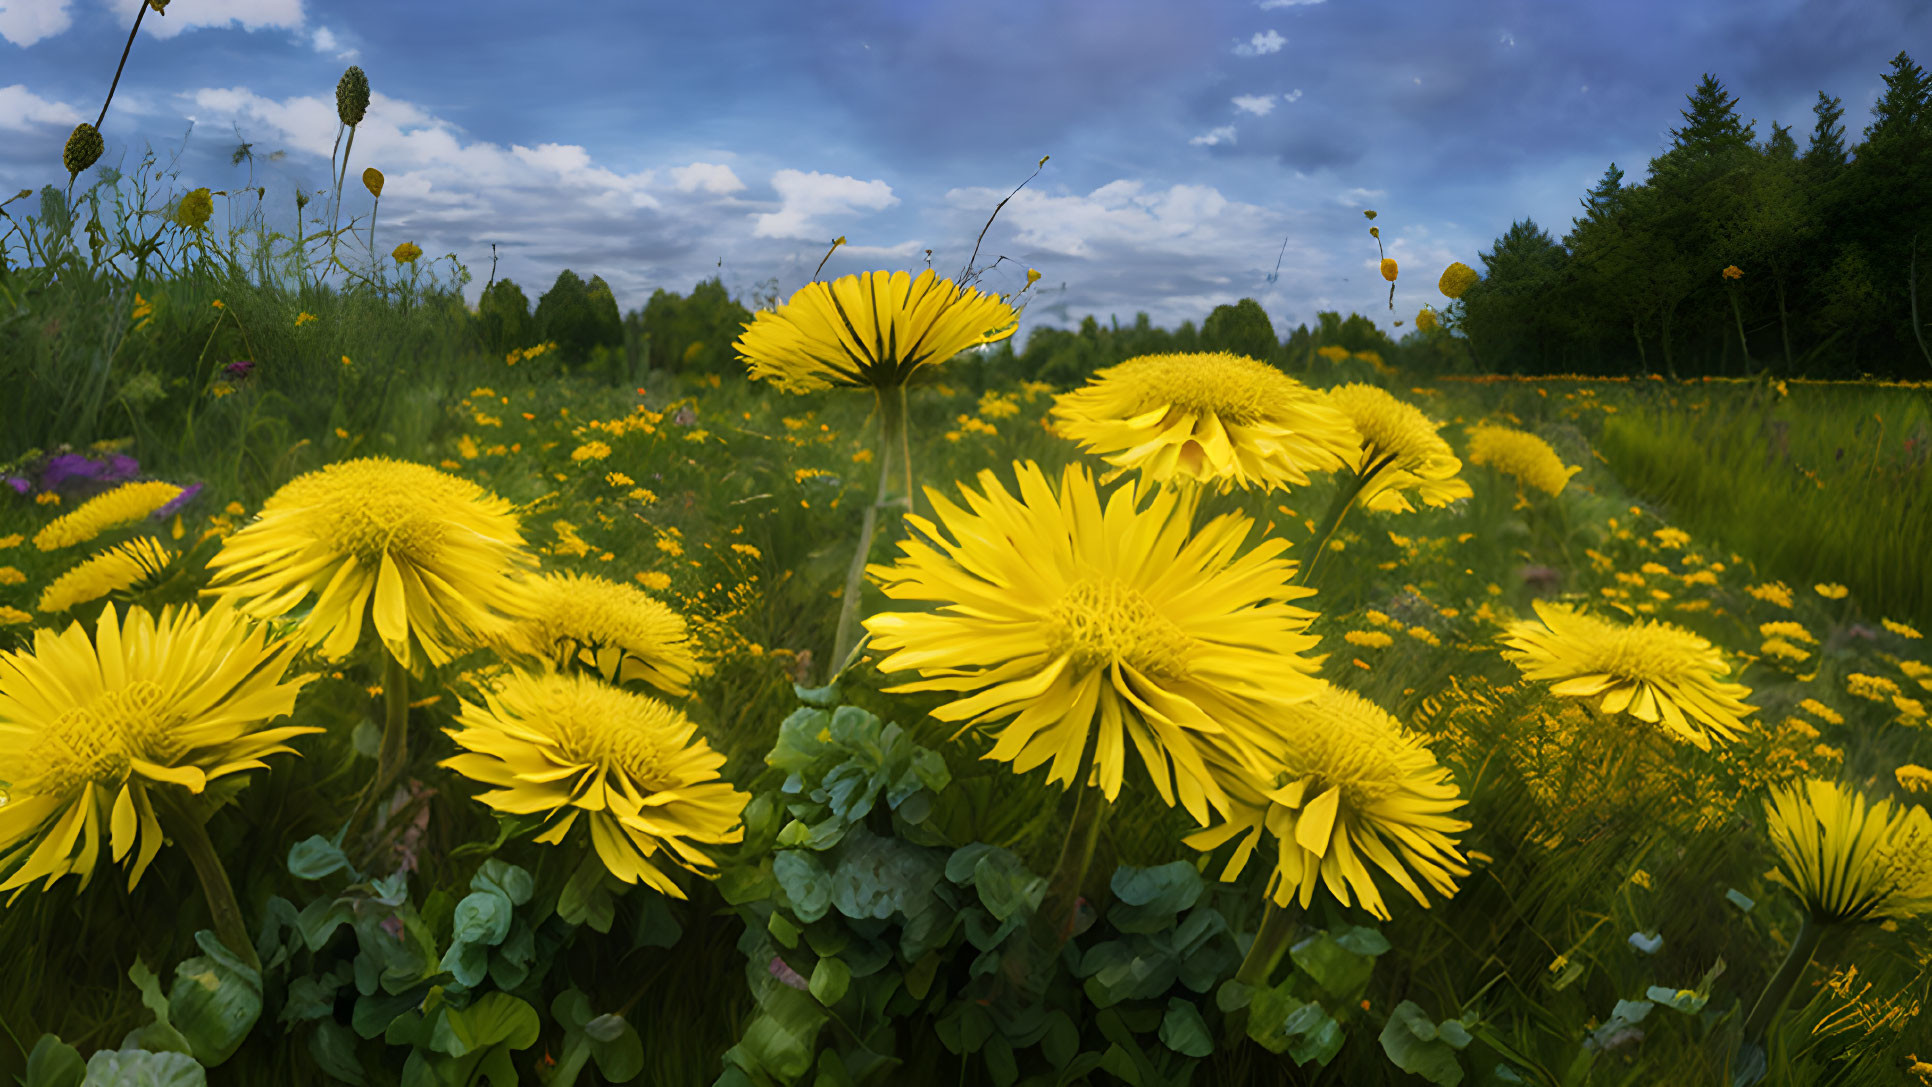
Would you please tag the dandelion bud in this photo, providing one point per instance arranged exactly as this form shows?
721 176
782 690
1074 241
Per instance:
301 200
194 209
1456 279
407 252
1370 214
1375 232
1032 276
1388 269
372 180
352 96
83 149
160 6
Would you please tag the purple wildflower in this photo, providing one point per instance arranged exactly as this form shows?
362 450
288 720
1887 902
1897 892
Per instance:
177 502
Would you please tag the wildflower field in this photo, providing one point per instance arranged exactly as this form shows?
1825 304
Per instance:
379 709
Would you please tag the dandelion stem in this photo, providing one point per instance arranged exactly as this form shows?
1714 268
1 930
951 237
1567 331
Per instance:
395 727
1778 989
189 830
139 14
1332 521
892 426
1269 942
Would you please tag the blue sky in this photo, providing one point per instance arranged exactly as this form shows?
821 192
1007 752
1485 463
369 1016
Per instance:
648 142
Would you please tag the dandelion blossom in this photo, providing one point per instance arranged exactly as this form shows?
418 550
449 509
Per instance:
1654 671
94 731
1209 417
1108 626
429 556
1522 455
869 331
1425 320
111 571
1402 441
570 748
623 633
1388 269
1848 858
123 505
1350 793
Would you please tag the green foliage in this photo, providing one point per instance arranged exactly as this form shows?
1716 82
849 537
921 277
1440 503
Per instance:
1242 328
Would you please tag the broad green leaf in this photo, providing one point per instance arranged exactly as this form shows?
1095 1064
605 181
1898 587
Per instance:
54 1063
215 1001
1184 1031
1412 1041
315 857
830 978
141 1068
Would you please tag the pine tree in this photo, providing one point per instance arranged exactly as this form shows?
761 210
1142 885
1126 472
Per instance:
1711 124
1826 154
1903 108
1602 200
1780 145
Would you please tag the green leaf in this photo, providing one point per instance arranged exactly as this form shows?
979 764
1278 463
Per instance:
1061 1042
1184 1031
877 877
621 1057
586 899
803 878
1627 1013
511 882
495 1019
482 917
826 696
782 930
1286 1024
1412 1041
1167 888
1005 886
215 1001
467 962
315 857
829 980
1683 1000
334 1048
159 1035
141 1068
54 1063
1338 970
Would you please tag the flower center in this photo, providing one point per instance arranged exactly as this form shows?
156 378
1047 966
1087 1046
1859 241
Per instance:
1100 623
1649 653
93 742
1358 758
1237 389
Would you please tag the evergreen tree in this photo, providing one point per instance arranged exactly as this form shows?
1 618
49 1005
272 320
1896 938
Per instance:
503 317
1712 128
1243 329
564 316
607 323
1902 110
1601 201
1781 145
1826 154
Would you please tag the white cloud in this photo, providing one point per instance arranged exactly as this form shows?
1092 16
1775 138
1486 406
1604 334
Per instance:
1267 41
20 109
1355 198
709 177
1213 136
24 22
250 14
1292 96
805 197
1257 104
1508 38
323 40
1270 5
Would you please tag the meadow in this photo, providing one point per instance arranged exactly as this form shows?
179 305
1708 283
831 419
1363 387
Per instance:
1322 725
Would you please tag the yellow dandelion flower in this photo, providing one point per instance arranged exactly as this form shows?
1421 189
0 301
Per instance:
1913 778
1107 625
123 505
1368 639
1732 271
110 571
95 731
304 318
1654 671
1332 352
407 252
654 580
1900 629
1425 320
11 576
1350 792
1456 279
570 747
1400 451
427 556
1788 630
590 451
1821 711
194 209
11 540
1831 591
1871 688
1206 417
12 616
1778 647
1675 539
1771 592
612 627
1848 858
869 331
1522 455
